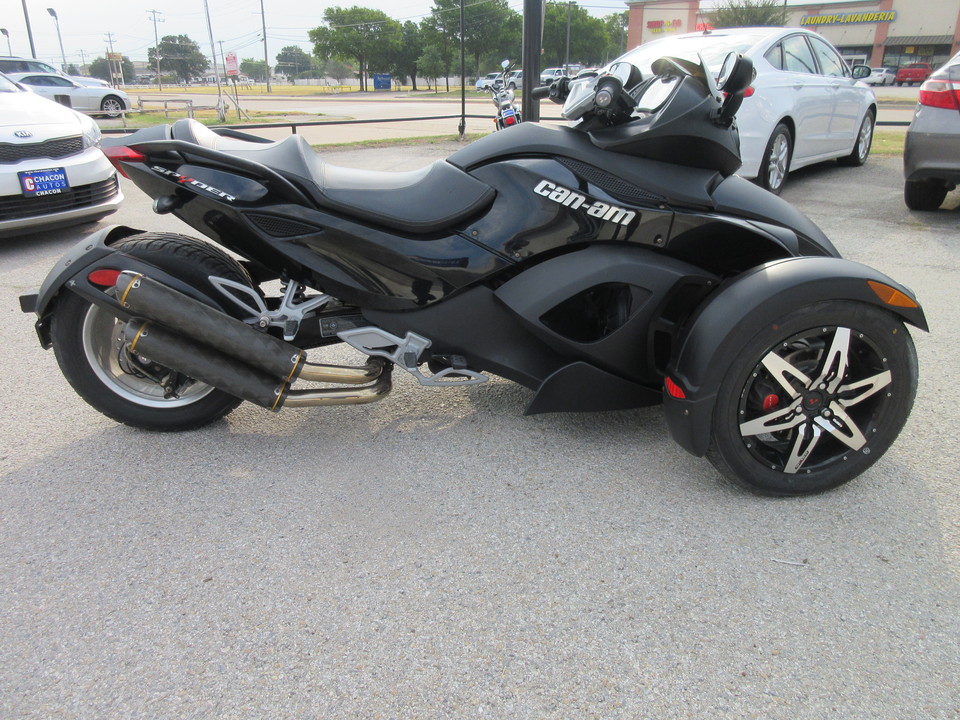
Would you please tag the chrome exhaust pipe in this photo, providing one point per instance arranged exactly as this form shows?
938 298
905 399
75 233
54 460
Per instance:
143 297
206 364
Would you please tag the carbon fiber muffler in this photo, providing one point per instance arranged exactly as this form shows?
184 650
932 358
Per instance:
210 346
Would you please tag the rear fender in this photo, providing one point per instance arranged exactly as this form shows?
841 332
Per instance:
734 315
95 253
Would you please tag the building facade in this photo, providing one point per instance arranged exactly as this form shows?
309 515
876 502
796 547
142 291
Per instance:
871 32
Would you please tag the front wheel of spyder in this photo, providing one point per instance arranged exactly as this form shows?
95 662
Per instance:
814 400
90 348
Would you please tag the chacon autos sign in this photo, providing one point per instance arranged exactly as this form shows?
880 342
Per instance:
850 18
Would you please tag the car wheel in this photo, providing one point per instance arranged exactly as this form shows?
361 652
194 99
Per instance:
112 106
861 148
776 160
814 399
924 194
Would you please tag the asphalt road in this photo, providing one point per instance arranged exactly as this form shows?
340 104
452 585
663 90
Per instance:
438 555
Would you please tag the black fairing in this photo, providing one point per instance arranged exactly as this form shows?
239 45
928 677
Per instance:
679 133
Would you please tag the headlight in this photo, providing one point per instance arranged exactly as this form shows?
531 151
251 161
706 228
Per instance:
91 131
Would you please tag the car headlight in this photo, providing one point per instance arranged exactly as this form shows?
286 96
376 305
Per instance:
91 132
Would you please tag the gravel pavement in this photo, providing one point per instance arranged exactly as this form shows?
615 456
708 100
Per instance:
439 555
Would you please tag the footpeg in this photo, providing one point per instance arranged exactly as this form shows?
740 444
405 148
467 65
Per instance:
405 352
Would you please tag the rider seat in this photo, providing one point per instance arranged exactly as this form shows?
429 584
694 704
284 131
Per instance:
421 201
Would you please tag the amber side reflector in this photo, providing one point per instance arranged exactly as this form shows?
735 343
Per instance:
674 389
891 296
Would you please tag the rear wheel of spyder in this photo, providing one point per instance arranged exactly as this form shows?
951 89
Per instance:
924 194
861 148
90 348
776 160
814 400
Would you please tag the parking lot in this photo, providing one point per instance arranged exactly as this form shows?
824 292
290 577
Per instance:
439 555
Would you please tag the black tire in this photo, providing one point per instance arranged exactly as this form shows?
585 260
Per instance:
112 106
775 166
784 424
924 194
861 148
86 343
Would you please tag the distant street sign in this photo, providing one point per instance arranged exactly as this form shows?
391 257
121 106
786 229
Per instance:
231 62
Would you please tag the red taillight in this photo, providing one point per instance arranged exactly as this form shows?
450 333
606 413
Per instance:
940 93
510 120
749 91
674 390
103 278
121 153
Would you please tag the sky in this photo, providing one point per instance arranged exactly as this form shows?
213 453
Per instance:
87 25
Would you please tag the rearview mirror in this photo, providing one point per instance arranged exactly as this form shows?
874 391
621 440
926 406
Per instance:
860 72
505 64
736 74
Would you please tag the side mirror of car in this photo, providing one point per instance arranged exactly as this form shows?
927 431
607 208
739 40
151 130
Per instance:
860 72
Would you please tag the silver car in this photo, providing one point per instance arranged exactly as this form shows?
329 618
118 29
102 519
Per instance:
804 105
52 172
95 100
931 153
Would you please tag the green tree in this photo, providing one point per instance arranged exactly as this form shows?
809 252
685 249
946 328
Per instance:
179 55
254 69
488 27
408 52
432 65
588 35
749 13
72 69
100 68
293 61
616 29
366 35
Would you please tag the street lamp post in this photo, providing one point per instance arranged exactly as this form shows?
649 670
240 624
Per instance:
56 20
3 31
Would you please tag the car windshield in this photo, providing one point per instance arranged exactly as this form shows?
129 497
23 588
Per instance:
713 47
7 86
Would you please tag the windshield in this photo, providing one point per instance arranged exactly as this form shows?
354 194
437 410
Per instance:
714 49
7 86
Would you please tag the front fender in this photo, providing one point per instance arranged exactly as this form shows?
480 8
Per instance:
734 315
71 271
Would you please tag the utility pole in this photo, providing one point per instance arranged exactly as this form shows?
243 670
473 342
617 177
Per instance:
266 62
26 19
110 61
216 71
156 41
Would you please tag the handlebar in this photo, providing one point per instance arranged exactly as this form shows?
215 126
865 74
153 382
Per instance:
540 92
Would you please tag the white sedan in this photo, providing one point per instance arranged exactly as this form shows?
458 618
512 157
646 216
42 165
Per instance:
804 106
52 172
106 100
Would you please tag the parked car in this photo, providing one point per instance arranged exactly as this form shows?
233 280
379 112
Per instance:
486 81
804 105
9 64
881 76
551 74
108 101
931 151
914 73
52 172
514 79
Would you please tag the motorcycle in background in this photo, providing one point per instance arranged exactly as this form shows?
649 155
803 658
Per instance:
503 98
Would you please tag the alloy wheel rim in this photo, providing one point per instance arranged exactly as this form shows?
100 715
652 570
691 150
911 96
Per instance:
102 337
777 162
863 142
814 400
